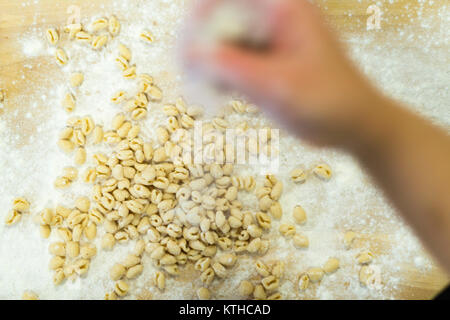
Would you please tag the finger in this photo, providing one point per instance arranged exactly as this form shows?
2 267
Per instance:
291 22
241 69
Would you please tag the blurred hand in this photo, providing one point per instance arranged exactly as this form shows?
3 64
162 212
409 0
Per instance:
303 78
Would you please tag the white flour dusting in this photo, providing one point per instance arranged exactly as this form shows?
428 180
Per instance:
31 160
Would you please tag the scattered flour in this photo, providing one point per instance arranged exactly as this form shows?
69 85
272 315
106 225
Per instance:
32 47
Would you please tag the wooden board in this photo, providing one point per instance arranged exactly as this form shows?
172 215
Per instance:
16 19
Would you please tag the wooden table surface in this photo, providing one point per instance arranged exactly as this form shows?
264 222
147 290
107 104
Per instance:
15 19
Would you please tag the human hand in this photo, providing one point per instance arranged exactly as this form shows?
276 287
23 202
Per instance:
303 78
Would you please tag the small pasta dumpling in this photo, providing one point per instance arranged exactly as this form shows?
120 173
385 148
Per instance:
277 189
129 73
45 231
262 269
70 173
12 217
61 57
68 102
98 135
303 281
121 288
300 241
72 249
270 283
156 94
349 237
287 230
364 257
113 26
99 24
72 29
119 97
30 295
275 296
203 293
322 171
83 37
299 214
315 274
99 42
331 265
276 210
21 204
80 156
368 276
246 288
110 296
76 79
134 271
52 36
259 293
124 52
278 269
147 36
160 280
298 175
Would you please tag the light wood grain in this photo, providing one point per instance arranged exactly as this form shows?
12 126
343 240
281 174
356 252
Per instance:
16 19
